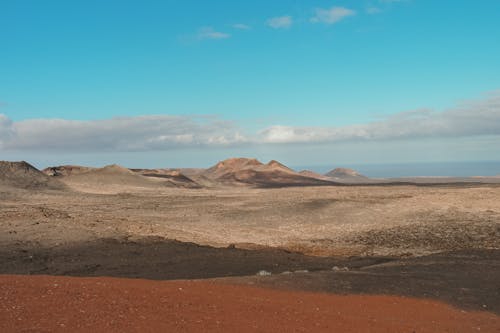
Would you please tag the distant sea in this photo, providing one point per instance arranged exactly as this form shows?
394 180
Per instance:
451 169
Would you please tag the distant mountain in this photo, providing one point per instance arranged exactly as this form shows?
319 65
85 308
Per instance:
24 175
344 172
345 175
245 171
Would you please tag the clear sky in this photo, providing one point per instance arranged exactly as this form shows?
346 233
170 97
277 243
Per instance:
312 82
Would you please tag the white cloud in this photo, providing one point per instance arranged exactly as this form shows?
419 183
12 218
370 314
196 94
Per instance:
4 122
5 129
142 133
331 15
281 22
210 33
278 134
162 132
473 118
241 26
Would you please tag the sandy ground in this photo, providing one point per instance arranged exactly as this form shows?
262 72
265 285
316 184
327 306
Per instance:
378 220
61 304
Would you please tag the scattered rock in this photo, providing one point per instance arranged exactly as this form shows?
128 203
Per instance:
302 271
340 269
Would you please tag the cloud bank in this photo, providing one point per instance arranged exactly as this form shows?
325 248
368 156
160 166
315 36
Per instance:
472 118
142 133
164 132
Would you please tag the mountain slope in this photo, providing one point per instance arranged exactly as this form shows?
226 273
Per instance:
24 175
66 170
251 172
175 177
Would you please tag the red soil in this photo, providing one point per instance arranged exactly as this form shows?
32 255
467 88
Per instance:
46 303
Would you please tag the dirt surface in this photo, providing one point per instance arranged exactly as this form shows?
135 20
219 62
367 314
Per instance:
467 279
328 221
439 242
62 304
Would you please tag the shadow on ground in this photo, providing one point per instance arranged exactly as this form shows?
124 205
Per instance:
466 278
469 279
160 259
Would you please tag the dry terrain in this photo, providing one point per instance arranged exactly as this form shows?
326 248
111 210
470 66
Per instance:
59 304
438 242
340 221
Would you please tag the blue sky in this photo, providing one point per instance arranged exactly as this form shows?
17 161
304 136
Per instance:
297 80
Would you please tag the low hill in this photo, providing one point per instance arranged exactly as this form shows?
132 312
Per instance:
346 176
175 177
344 172
24 175
112 179
66 170
312 174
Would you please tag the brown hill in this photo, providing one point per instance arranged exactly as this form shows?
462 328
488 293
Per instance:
275 165
188 172
112 178
244 171
230 166
24 175
312 174
66 170
175 177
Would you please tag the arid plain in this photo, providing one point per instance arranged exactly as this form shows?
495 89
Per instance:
244 223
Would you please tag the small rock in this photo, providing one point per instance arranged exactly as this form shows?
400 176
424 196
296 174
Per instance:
340 269
302 271
264 273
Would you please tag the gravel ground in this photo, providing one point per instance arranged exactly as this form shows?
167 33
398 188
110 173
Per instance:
370 220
